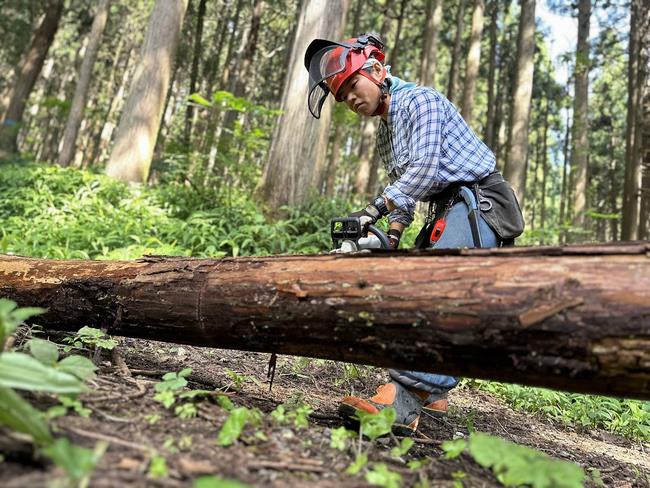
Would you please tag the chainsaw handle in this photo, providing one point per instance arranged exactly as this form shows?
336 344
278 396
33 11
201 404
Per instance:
381 235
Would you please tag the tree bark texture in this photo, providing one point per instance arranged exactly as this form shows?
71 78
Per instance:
430 46
574 318
515 167
397 44
454 70
632 164
580 140
26 76
81 90
298 149
473 59
197 50
489 118
136 133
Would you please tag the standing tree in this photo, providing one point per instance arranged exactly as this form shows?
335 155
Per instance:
637 76
473 59
138 128
643 127
454 71
26 76
430 46
298 150
489 118
194 74
580 139
515 167
81 90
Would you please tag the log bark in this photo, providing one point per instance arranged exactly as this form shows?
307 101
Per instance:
574 318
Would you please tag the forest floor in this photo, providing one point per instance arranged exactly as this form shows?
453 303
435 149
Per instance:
125 414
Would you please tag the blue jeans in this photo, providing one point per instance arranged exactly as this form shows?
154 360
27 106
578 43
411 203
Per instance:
457 234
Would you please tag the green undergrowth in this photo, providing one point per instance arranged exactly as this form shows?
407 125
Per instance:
52 212
629 418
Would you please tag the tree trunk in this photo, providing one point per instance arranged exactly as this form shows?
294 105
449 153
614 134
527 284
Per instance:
335 156
489 119
504 86
545 170
473 59
644 224
194 74
81 91
27 73
515 167
430 46
366 156
454 74
398 33
298 149
367 165
136 133
238 85
564 193
580 140
579 321
632 163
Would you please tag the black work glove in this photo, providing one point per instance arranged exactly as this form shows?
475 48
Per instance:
372 213
394 236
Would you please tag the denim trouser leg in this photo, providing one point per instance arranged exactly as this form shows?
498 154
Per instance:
457 234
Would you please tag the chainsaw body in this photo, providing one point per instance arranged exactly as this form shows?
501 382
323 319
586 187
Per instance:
348 236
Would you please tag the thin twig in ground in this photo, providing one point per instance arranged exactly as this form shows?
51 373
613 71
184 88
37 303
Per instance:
142 390
280 466
110 439
110 417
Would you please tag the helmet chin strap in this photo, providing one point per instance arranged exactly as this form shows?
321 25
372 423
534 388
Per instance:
384 86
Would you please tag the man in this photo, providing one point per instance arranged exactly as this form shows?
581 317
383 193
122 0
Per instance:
430 154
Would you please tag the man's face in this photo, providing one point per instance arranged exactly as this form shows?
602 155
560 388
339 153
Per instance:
360 94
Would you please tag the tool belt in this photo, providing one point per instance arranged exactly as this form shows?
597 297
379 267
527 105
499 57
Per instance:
496 202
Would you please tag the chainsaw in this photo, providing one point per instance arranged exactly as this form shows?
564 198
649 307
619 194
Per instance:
349 236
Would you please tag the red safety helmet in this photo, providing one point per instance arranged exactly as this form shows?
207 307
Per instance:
330 63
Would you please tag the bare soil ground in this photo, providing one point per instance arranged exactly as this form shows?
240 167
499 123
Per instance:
122 400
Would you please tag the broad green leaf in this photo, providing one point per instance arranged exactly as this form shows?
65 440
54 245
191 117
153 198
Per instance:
199 100
339 438
87 331
454 448
217 482
380 475
225 402
83 368
403 447
358 464
195 393
18 370
518 465
20 416
45 351
377 424
233 426
158 467
165 397
78 462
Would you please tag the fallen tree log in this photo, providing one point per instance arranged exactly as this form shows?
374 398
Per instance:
573 318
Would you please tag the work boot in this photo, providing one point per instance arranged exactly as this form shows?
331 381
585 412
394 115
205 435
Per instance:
407 405
436 404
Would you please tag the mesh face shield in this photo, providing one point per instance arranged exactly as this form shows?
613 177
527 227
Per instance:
322 64
330 63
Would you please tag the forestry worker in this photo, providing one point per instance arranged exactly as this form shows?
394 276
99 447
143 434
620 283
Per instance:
430 154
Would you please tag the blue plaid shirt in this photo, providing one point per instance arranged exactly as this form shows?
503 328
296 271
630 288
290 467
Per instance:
425 145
